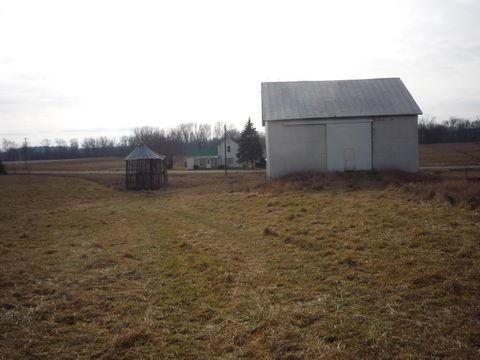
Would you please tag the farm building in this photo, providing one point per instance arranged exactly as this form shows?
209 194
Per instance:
213 157
339 126
205 157
145 169
230 149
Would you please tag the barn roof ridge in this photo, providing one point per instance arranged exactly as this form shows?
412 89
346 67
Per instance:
291 100
340 80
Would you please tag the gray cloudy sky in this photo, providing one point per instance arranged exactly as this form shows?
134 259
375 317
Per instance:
90 68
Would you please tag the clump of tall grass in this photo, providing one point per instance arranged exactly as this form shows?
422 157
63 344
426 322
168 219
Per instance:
460 192
425 187
3 170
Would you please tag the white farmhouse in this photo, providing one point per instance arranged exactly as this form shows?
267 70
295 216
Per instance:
340 125
212 157
231 148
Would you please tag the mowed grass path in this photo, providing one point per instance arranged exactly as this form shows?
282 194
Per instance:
200 273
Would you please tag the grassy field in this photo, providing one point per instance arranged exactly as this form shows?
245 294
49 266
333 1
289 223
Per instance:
352 266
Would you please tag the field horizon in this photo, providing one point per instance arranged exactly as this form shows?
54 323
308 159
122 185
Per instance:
441 154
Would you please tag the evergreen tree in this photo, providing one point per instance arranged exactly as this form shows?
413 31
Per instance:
249 147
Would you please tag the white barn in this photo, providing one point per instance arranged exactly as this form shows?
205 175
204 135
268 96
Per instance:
339 126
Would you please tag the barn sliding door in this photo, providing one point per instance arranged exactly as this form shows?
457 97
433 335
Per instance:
295 148
349 146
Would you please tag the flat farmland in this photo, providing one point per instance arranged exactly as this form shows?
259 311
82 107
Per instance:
449 154
83 164
334 267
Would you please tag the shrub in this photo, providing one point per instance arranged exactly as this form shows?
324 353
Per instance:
3 171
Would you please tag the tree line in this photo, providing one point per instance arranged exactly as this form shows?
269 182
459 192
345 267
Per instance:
452 130
175 141
168 142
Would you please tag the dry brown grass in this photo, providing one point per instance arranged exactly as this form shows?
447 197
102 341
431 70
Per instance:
446 187
449 154
84 164
236 268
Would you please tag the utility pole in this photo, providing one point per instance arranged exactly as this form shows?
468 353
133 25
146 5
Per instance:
225 148
25 154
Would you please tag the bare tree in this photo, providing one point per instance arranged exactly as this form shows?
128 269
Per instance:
219 130
186 132
201 133
46 143
61 148
8 145
11 152
74 147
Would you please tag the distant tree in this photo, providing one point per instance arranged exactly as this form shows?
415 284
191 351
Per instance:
74 147
89 146
10 149
8 145
219 131
45 143
3 171
61 148
201 133
249 147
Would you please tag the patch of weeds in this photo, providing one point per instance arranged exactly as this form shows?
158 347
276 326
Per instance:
453 287
287 346
185 246
428 279
330 339
124 342
268 231
348 261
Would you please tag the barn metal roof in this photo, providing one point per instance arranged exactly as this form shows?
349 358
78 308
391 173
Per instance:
336 99
142 153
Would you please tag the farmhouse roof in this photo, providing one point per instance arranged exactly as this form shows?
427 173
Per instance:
201 151
336 99
143 153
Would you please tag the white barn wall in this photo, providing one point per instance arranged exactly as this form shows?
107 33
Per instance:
355 136
292 147
319 144
395 143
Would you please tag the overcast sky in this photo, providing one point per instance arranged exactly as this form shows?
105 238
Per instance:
90 68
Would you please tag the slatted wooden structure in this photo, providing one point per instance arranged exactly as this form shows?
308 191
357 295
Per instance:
145 169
